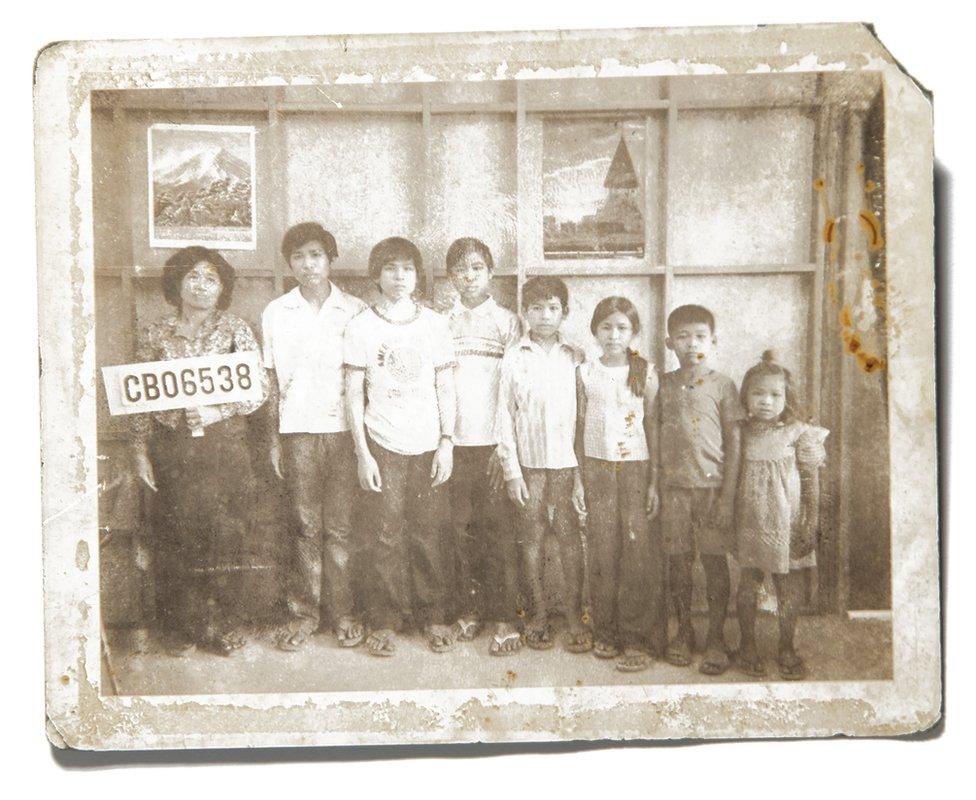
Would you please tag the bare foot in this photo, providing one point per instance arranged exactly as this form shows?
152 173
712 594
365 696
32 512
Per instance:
349 632
439 637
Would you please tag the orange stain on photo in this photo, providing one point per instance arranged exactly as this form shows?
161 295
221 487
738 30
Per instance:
872 227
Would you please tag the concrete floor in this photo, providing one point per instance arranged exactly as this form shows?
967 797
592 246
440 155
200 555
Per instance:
835 648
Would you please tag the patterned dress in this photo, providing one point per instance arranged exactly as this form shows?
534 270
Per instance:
202 510
768 495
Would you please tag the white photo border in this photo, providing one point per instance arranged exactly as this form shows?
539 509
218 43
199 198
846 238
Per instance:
80 717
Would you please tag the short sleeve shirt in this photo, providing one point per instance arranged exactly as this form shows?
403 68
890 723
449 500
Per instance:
692 413
304 348
401 360
481 335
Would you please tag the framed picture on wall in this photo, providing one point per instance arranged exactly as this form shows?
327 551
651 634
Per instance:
201 186
593 187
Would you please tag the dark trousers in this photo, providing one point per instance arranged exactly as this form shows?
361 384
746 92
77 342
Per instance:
484 542
626 566
550 487
200 517
320 470
404 536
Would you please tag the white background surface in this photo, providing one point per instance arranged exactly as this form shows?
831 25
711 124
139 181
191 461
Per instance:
933 43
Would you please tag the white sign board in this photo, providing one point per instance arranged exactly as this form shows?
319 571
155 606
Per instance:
183 383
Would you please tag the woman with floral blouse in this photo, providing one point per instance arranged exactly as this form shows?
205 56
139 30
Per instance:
203 485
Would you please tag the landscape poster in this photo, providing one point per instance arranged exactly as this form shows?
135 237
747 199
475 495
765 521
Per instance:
201 186
593 179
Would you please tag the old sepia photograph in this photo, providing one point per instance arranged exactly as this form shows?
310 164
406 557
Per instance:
480 403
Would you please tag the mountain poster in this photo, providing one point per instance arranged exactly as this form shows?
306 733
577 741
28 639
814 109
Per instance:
201 186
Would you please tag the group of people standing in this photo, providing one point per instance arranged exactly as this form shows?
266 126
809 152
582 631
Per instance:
404 411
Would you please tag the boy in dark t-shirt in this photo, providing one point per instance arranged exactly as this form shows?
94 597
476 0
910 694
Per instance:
693 479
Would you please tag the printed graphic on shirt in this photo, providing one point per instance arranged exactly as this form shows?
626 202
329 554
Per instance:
404 362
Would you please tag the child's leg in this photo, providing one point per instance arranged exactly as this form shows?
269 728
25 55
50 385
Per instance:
788 597
640 573
304 468
501 561
341 488
387 596
560 484
717 591
713 546
467 485
745 603
426 506
676 530
603 547
531 526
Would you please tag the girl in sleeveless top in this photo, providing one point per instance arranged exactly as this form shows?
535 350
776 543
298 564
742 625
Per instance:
614 394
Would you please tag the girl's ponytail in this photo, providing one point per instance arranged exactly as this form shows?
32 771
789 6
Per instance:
636 373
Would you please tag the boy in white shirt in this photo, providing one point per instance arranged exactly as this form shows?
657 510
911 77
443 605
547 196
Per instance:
485 547
399 360
311 447
536 437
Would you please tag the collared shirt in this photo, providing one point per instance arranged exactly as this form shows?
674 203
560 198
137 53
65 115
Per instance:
304 348
481 336
218 334
613 426
693 414
537 407
401 359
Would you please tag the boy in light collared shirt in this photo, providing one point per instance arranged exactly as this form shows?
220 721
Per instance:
536 435
311 446
485 546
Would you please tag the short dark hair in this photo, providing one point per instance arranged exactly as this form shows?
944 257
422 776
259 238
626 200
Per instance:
691 315
468 244
393 249
542 287
304 232
185 259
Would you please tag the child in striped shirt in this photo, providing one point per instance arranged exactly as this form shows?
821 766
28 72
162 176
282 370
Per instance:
536 431
484 539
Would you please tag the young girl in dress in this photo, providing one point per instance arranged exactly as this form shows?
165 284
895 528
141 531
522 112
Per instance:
776 508
614 395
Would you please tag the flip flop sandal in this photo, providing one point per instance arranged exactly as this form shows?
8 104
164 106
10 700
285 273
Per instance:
754 669
677 656
291 641
539 638
633 661
385 646
345 640
228 643
579 643
497 646
794 669
436 646
180 648
605 650
712 666
466 630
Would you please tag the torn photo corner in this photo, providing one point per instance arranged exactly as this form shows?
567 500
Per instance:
559 385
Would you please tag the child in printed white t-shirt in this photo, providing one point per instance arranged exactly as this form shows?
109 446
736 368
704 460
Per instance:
399 359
